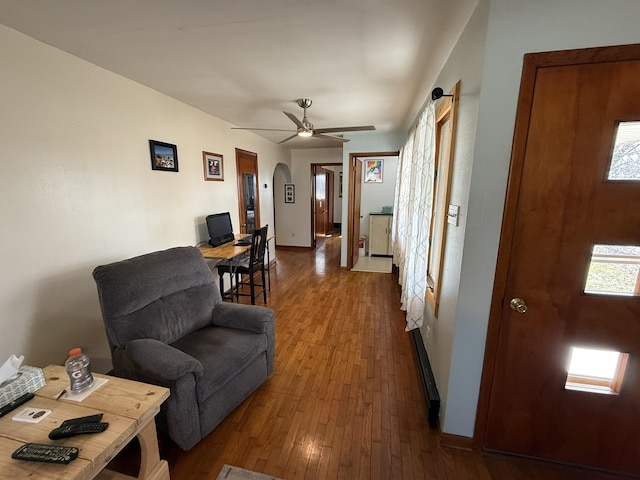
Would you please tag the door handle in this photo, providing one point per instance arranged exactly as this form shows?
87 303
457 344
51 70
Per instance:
518 305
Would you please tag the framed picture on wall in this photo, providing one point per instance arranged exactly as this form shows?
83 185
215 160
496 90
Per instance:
164 156
213 167
373 171
289 193
340 185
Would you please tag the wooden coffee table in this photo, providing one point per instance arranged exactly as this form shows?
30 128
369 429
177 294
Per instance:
129 407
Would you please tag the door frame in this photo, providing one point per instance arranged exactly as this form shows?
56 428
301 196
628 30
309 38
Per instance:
352 193
532 62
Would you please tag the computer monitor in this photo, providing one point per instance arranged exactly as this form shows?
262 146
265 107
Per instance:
220 229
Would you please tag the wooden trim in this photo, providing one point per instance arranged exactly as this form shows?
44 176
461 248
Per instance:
448 440
598 382
446 111
350 210
532 62
616 384
521 129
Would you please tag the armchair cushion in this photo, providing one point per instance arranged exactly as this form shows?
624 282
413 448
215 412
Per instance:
159 361
160 295
222 352
246 317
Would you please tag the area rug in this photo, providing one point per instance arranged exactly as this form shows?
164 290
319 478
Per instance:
373 264
230 472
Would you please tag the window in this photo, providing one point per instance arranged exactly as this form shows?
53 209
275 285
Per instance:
625 158
614 270
596 371
444 134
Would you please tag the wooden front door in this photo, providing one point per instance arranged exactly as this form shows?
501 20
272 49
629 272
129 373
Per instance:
564 215
248 198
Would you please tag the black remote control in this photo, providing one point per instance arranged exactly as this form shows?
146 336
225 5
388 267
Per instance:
76 421
38 452
77 429
11 406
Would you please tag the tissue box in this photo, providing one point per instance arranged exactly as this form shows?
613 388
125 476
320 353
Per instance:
30 380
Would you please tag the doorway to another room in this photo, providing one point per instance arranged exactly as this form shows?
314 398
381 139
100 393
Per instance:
326 195
371 197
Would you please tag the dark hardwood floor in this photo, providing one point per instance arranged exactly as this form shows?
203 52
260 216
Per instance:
344 401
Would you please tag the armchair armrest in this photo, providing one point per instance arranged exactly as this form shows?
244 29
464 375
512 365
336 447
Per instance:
159 361
243 317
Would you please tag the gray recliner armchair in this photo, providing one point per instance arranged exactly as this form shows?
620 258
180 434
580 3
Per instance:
167 325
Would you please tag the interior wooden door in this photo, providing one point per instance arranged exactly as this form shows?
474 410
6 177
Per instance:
321 201
563 205
248 192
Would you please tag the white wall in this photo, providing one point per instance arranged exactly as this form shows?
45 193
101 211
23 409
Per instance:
515 27
363 142
281 175
464 65
77 190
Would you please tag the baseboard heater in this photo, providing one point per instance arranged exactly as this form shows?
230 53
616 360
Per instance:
427 380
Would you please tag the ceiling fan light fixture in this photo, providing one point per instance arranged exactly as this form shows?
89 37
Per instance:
304 128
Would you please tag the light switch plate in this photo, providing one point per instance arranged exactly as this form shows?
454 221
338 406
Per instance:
453 214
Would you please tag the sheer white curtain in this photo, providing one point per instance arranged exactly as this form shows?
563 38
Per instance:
412 215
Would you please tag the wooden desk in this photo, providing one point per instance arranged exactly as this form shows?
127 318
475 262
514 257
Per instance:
230 250
129 407
226 251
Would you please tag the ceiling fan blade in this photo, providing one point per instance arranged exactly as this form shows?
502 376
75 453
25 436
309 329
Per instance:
363 128
289 138
264 129
295 120
331 137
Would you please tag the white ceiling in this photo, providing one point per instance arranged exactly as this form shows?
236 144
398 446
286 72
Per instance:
362 62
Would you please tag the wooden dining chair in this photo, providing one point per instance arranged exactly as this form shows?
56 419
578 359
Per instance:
245 268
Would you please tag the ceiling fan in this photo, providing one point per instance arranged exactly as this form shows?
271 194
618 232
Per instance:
305 127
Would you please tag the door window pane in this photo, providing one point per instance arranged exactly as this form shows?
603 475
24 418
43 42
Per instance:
625 158
248 180
596 371
614 270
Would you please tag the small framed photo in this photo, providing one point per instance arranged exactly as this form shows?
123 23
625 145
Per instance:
373 171
164 156
289 193
213 168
